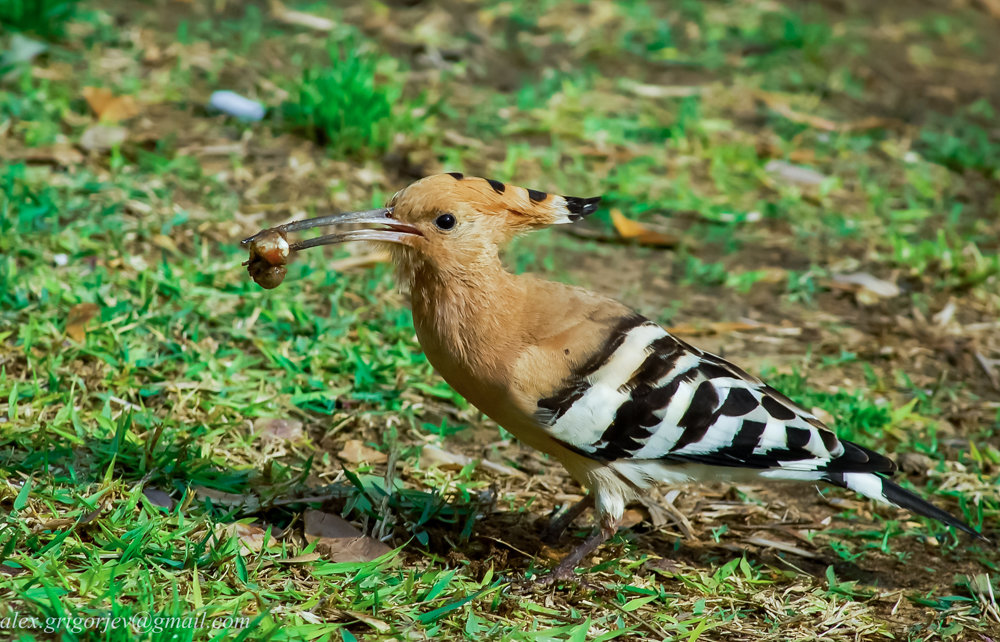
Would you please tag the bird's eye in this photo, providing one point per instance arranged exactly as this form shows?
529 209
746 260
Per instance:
445 221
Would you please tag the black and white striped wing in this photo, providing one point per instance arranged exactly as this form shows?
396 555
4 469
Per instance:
650 396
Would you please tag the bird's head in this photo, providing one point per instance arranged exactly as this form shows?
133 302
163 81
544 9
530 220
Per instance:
449 222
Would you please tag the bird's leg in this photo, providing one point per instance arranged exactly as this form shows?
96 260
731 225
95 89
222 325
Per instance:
567 566
557 525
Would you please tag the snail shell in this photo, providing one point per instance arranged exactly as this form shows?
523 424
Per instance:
268 257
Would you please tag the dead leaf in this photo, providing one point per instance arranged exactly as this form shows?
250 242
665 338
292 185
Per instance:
778 105
164 242
89 517
252 537
796 174
781 546
379 625
78 318
159 498
944 316
443 459
636 231
301 559
99 138
229 500
61 154
110 108
868 289
355 451
823 415
320 524
54 524
661 91
914 463
11 571
358 549
446 460
338 540
281 13
988 366
274 429
630 518
992 7
769 149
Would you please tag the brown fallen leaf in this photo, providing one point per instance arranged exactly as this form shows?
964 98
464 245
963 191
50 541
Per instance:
867 289
630 518
301 559
78 318
784 547
110 108
54 524
778 105
159 498
99 138
274 429
355 451
229 500
790 173
281 13
661 91
379 625
914 463
321 524
443 459
769 149
636 231
988 366
823 415
992 7
62 154
166 243
11 571
252 537
338 540
446 460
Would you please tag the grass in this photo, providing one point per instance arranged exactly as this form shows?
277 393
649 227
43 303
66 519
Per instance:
139 365
342 106
46 18
961 143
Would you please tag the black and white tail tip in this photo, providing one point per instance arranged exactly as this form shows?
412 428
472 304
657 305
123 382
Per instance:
881 489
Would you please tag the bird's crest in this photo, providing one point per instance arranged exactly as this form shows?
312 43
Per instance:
527 207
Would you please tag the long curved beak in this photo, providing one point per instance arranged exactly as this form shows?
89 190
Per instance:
392 232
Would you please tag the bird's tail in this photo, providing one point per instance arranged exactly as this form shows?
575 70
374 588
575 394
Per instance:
881 489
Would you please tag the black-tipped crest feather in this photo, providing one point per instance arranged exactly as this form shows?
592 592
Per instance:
579 207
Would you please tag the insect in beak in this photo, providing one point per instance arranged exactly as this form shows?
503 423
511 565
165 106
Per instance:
393 231
269 249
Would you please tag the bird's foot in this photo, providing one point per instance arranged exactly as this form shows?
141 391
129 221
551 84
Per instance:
562 573
566 569
559 523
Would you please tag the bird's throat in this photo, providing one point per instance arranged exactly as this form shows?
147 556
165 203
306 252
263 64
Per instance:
467 323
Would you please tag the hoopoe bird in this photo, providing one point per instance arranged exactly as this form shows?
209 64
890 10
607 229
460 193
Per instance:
611 395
